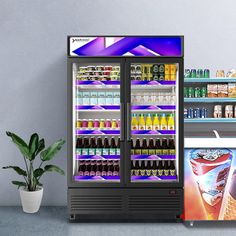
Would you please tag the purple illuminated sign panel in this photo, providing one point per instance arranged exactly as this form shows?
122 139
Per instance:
152 46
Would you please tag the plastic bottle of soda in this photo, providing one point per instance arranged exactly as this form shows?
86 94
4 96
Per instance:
166 168
116 171
93 168
79 146
87 168
99 168
158 149
137 149
142 169
144 147
106 148
149 169
81 168
104 168
93 146
154 168
113 146
85 150
99 147
110 168
160 169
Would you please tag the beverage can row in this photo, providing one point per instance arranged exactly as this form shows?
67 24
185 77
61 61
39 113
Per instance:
197 92
197 73
98 124
91 68
191 113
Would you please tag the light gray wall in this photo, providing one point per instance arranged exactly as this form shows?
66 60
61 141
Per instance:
33 61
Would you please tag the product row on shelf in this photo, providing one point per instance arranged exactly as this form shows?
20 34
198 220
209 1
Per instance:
219 111
98 168
153 168
99 124
100 72
205 73
155 122
153 72
211 91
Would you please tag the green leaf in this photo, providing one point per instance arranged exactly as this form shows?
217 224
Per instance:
17 169
19 183
33 145
38 172
20 143
41 146
54 168
52 150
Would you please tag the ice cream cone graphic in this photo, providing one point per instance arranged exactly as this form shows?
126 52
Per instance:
230 209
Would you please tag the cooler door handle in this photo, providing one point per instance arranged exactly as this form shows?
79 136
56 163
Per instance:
122 128
128 121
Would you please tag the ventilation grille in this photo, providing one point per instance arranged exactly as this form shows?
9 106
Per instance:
96 203
166 203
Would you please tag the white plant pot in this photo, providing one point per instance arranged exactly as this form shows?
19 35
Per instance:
31 201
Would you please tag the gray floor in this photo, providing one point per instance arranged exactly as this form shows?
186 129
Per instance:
53 221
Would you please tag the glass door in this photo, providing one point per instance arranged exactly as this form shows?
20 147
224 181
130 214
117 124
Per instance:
96 122
154 121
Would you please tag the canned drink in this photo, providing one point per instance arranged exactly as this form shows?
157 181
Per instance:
148 69
96 123
229 111
132 77
149 77
173 69
190 113
113 124
106 72
161 68
132 69
138 77
173 77
99 68
203 113
197 92
116 68
167 69
108 67
90 123
185 92
91 68
138 69
193 73
102 124
108 124
167 77
161 77
84 124
185 113
78 124
200 73
155 68
210 168
206 73
196 113
191 92
187 73
155 77
204 92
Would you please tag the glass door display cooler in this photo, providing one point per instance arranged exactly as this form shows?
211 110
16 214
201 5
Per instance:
125 128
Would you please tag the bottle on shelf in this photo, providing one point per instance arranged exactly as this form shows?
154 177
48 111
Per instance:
132 147
116 171
160 168
156 125
99 168
104 168
172 168
118 147
137 148
99 150
149 169
87 168
144 148
85 150
154 168
110 168
132 168
171 122
106 148
142 168
166 168
158 148
93 146
149 122
81 169
113 146
171 146
164 147
136 168
141 122
163 122
93 168
134 122
151 147
79 146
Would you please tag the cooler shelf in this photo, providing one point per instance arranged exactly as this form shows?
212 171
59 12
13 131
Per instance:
209 100
153 132
152 82
152 157
97 82
97 157
98 132
97 178
211 120
152 178
97 107
210 80
153 107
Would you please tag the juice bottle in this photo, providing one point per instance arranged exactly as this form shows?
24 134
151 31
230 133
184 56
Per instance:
171 122
155 124
134 122
141 122
163 122
149 122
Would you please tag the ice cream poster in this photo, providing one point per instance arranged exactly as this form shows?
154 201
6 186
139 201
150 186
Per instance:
210 184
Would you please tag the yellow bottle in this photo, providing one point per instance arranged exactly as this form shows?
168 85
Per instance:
134 122
149 122
163 122
171 122
155 125
141 122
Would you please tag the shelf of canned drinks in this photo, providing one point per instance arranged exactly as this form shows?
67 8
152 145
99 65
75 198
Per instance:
152 157
97 178
97 157
208 100
117 108
210 120
210 80
117 132
153 178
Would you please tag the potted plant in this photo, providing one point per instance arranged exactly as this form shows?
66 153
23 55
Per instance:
31 190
